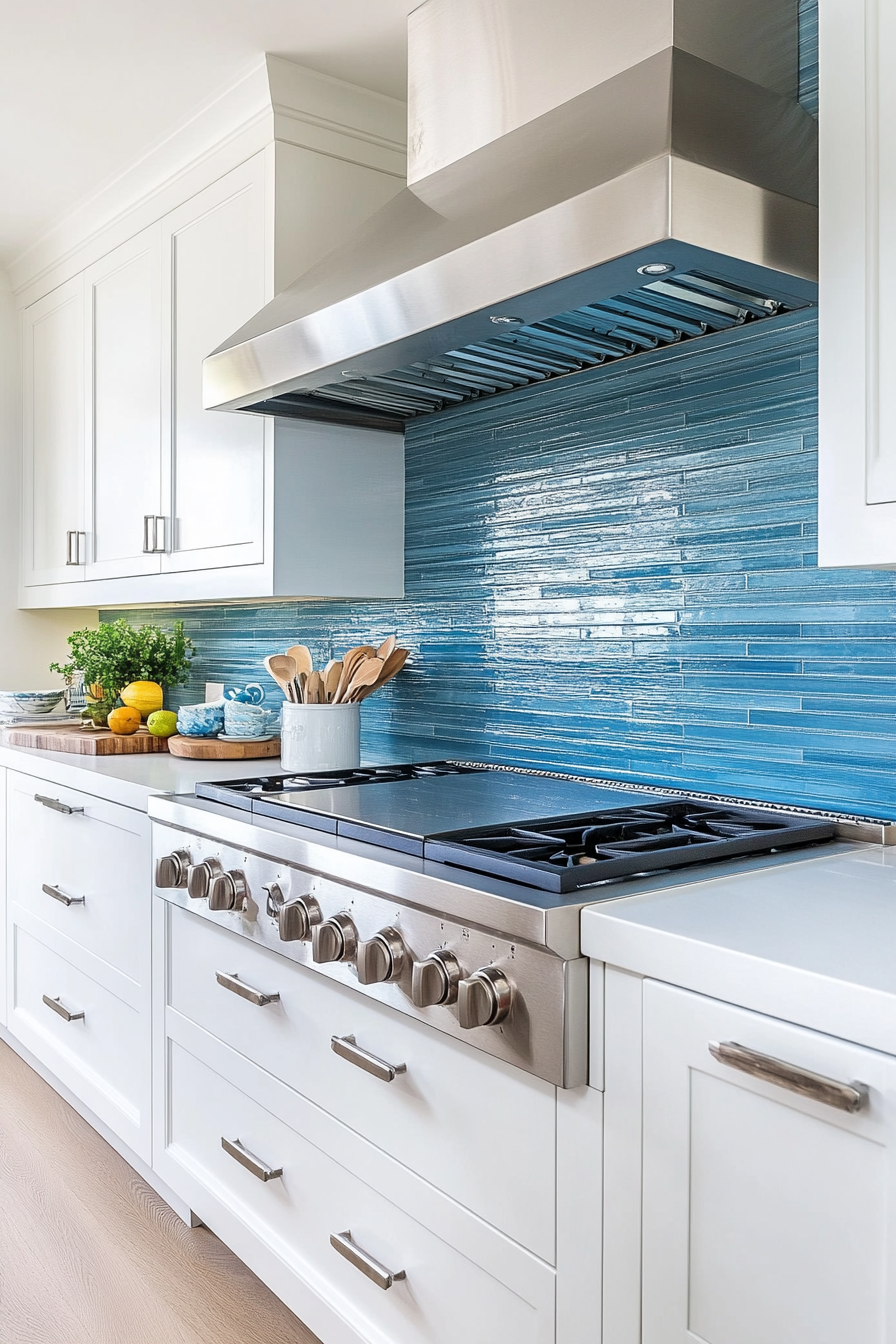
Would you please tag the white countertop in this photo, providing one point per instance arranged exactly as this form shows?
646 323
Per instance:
129 780
812 942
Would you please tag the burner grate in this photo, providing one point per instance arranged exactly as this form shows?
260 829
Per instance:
565 853
243 793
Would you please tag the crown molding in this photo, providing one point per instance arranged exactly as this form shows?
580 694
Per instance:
271 99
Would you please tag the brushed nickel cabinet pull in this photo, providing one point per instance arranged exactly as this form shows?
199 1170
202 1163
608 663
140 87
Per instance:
237 986
849 1097
151 543
235 1149
55 804
379 1274
61 896
60 1008
347 1048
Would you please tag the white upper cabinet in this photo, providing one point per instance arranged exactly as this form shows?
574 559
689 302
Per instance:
124 419
134 492
54 540
857 284
215 250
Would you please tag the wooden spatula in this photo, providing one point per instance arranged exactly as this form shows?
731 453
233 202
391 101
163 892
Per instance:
302 655
369 672
351 660
332 673
314 689
283 669
393 664
386 647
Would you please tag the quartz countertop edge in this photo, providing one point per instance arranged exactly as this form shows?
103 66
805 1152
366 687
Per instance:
812 942
130 780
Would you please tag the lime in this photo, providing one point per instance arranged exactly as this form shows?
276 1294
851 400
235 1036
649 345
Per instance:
162 723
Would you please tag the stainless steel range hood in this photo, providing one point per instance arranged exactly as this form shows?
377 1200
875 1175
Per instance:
585 180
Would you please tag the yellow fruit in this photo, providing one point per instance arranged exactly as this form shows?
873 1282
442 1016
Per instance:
125 720
144 696
163 723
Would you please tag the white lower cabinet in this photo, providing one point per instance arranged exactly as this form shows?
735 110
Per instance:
279 1180
78 930
766 1213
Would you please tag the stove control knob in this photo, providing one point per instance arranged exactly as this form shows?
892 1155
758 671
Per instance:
435 980
295 918
200 877
228 891
381 959
171 870
335 939
484 998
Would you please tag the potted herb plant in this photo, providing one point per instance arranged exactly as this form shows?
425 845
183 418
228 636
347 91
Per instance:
116 654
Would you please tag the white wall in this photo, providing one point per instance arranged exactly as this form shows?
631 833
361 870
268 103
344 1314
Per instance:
29 640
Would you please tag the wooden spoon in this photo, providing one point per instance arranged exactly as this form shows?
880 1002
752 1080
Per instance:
314 689
332 673
302 655
351 659
393 664
283 669
369 672
385 649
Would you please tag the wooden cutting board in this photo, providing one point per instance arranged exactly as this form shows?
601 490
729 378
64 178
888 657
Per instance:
82 741
212 749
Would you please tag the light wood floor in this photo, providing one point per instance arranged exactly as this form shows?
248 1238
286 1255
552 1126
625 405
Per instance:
89 1254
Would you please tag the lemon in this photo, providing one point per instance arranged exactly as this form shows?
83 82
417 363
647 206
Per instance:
162 723
124 721
144 696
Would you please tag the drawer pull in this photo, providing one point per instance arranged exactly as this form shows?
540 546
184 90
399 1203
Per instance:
849 1097
347 1048
235 1149
56 805
237 986
61 1009
381 1276
61 896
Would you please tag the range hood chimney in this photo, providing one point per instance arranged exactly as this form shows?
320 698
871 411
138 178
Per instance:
586 180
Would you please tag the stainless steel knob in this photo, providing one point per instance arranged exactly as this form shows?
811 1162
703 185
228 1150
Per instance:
484 998
228 891
335 939
171 870
199 878
435 980
295 918
381 959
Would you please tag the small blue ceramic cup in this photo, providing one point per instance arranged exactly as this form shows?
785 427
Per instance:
242 720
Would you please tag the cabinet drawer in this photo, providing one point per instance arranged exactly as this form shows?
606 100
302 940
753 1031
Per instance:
475 1127
102 1053
309 1196
96 856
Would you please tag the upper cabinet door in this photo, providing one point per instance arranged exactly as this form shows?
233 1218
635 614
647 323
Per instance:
124 415
768 1214
54 541
857 284
215 264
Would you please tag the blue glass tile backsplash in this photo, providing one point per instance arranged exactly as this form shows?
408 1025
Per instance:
616 575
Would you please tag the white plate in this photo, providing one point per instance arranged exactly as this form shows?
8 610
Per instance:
226 737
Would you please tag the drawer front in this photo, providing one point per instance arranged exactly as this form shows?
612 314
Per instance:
102 1052
95 856
475 1127
438 1294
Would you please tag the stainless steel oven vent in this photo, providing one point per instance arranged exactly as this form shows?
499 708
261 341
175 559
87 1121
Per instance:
662 312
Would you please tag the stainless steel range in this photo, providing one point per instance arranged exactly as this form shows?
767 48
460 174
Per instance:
450 892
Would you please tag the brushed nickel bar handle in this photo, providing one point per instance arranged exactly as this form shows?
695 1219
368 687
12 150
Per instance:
56 805
60 1008
61 896
347 1048
237 986
850 1097
235 1149
148 544
379 1274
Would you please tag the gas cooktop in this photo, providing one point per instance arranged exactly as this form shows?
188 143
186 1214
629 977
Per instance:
552 833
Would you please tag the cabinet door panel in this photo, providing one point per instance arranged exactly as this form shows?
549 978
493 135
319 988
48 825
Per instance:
125 414
766 1214
215 249
53 415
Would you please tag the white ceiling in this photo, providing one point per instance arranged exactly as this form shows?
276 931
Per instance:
85 87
